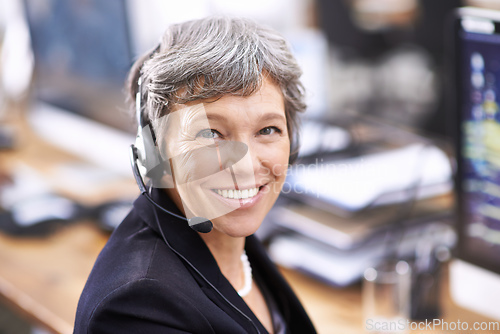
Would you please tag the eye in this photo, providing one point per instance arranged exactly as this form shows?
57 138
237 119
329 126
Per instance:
269 130
208 134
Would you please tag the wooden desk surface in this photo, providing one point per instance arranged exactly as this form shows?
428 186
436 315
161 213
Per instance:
43 278
336 311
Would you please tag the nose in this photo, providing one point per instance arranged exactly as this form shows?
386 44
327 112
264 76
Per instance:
243 159
230 153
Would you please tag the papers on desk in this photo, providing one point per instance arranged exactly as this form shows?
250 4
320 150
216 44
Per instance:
341 268
341 216
338 232
381 178
350 232
336 268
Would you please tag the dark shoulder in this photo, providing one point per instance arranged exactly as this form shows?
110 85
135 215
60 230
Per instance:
134 267
139 307
128 254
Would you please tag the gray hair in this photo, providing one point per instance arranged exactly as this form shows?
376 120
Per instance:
212 57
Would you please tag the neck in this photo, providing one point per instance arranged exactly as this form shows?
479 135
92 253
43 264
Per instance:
227 253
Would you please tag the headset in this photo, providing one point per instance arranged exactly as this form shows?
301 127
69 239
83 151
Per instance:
145 159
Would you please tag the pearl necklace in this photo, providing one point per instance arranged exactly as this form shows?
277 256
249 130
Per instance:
247 269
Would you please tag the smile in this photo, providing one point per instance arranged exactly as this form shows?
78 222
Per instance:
237 194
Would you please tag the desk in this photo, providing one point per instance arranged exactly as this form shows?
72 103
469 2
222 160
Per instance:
43 278
335 311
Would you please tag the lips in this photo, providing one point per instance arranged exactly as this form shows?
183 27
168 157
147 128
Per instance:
237 193
254 194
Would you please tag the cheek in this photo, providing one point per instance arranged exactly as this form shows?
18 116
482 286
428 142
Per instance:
280 169
284 153
277 160
196 164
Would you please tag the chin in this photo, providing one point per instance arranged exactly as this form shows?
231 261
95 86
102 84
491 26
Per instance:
237 226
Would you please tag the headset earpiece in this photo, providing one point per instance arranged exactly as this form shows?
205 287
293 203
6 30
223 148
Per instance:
149 160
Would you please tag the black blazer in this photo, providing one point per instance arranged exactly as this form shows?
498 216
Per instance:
141 285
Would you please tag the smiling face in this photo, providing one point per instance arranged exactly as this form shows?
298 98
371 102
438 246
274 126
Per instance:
229 158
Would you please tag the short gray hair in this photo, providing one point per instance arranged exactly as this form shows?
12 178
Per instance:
213 57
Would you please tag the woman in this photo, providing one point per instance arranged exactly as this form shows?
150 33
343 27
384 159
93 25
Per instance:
219 97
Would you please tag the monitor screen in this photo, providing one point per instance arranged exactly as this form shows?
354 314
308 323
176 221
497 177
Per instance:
82 54
478 150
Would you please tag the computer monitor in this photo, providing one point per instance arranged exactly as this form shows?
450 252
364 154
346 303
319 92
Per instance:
475 274
82 52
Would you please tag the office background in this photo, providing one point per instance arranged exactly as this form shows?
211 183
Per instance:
374 177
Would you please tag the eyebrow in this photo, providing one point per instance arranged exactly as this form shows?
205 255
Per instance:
216 117
265 117
273 116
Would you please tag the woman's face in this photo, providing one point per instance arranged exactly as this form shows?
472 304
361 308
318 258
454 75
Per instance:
229 158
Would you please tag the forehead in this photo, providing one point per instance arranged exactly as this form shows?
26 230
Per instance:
267 99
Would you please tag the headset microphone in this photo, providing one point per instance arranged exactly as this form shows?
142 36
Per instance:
200 224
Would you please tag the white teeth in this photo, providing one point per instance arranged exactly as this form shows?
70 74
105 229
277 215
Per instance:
237 194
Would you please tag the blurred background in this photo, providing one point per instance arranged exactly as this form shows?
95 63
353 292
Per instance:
373 185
